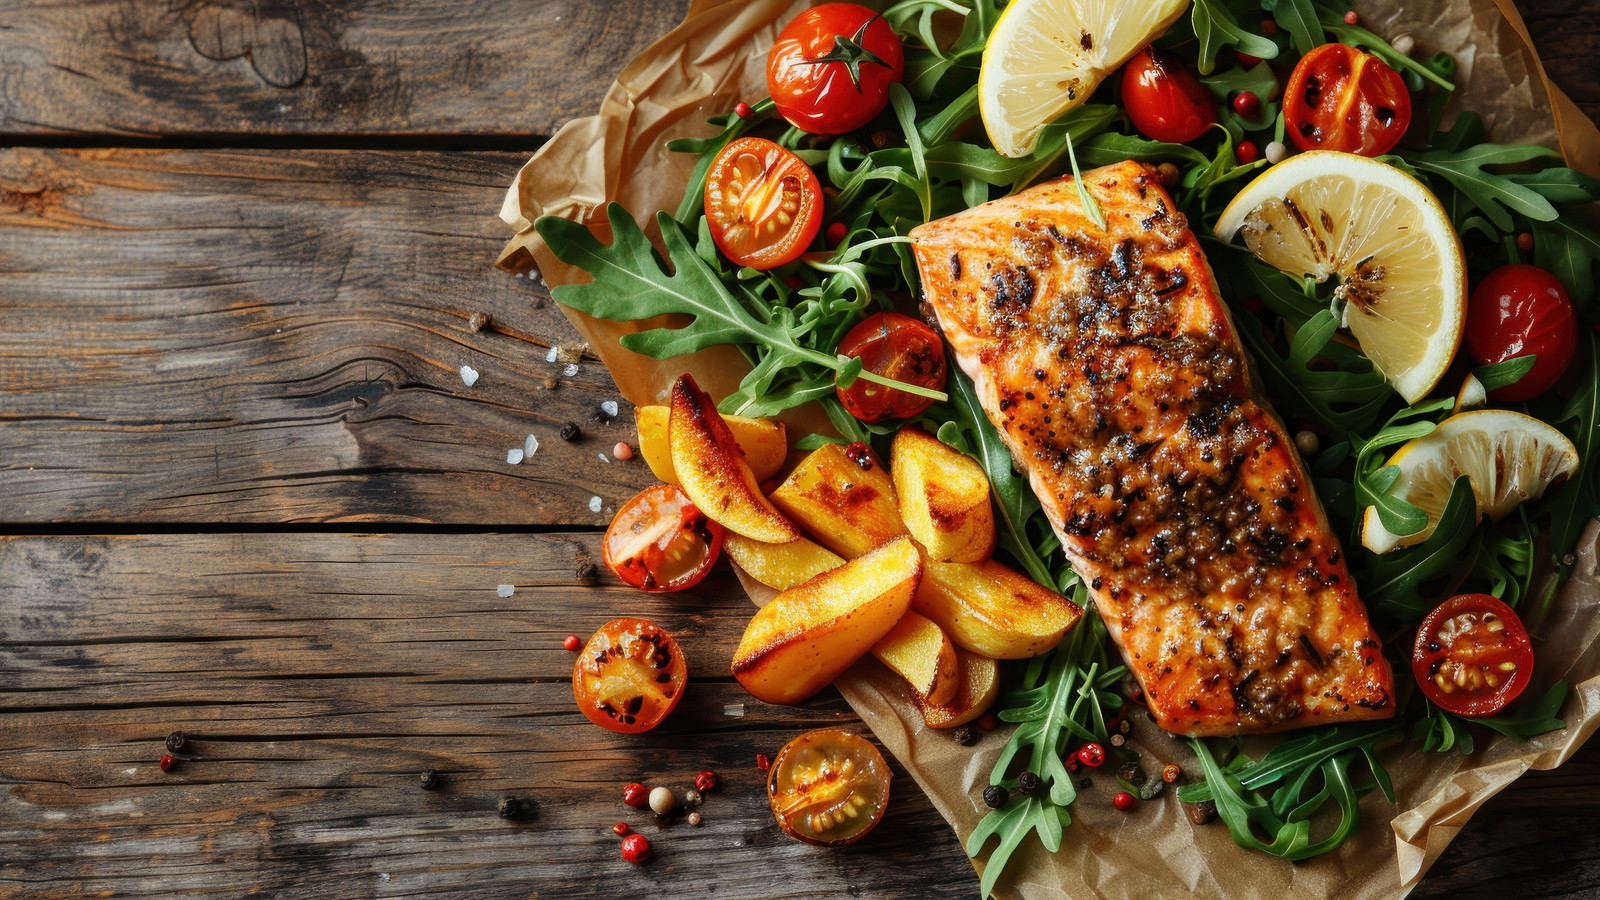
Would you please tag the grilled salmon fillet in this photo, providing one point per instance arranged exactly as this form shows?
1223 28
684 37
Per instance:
1110 366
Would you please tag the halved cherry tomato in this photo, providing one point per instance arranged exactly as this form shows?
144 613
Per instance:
831 67
660 541
1342 98
1472 655
763 203
898 347
1165 99
1517 310
629 676
828 787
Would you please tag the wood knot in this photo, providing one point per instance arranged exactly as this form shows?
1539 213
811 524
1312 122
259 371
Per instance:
266 32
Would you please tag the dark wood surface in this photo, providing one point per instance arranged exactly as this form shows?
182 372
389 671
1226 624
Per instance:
211 357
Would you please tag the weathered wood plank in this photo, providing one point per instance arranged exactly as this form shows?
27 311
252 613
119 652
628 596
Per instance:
321 673
276 336
1567 34
286 67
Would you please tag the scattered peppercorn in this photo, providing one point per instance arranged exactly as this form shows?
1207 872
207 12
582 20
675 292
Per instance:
509 808
694 818
1117 740
635 848
1169 174
995 796
1124 726
663 820
477 322
636 795
569 431
1246 60
1247 153
1028 783
1124 801
1307 442
1092 755
988 721
881 138
763 762
1524 242
1085 783
429 780
572 643
692 797
966 736
1073 765
1352 18
1247 104
620 829
1269 27
1276 152
1201 813
1170 773
622 451
705 781
835 233
176 740
662 801
167 762
741 109
860 454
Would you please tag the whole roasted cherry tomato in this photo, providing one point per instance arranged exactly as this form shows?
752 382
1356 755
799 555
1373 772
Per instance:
1165 99
831 67
1517 310
1472 655
660 541
897 347
828 787
1341 98
629 676
762 202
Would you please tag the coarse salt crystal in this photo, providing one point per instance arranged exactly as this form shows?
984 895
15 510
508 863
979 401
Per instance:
469 375
570 370
609 407
603 458
530 446
513 456
506 590
551 356
594 504
736 710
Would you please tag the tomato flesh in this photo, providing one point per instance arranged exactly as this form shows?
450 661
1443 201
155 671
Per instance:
828 787
1342 98
763 203
895 346
629 676
830 69
1472 655
1518 310
660 541
1165 99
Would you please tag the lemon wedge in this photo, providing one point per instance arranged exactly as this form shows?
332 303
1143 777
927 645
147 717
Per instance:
1508 457
1401 273
1045 57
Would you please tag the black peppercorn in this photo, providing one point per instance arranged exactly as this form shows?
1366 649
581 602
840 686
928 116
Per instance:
995 796
1085 783
570 432
663 820
966 735
1028 783
176 740
510 808
430 780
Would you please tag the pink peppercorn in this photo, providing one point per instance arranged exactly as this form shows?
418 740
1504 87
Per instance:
622 451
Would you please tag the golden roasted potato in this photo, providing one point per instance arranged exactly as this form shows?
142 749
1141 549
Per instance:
920 652
714 474
848 508
990 609
808 635
979 686
764 442
780 566
944 497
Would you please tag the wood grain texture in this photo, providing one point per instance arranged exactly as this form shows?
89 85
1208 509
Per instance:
204 68
320 674
277 336
1567 35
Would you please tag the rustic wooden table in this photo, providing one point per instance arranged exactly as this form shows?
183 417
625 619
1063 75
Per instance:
247 495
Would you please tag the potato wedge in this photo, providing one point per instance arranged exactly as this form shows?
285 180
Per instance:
714 474
781 566
990 609
944 497
764 442
849 509
920 652
808 635
979 687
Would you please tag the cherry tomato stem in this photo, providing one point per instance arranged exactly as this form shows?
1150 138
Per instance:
830 69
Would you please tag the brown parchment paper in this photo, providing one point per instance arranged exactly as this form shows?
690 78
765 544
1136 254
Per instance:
717 57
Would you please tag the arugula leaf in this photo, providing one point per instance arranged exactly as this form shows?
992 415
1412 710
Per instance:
1216 27
1496 196
1111 147
1573 505
1570 250
1530 720
1505 372
1391 584
1299 18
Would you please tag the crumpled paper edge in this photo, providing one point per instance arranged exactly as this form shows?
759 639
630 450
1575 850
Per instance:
618 155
